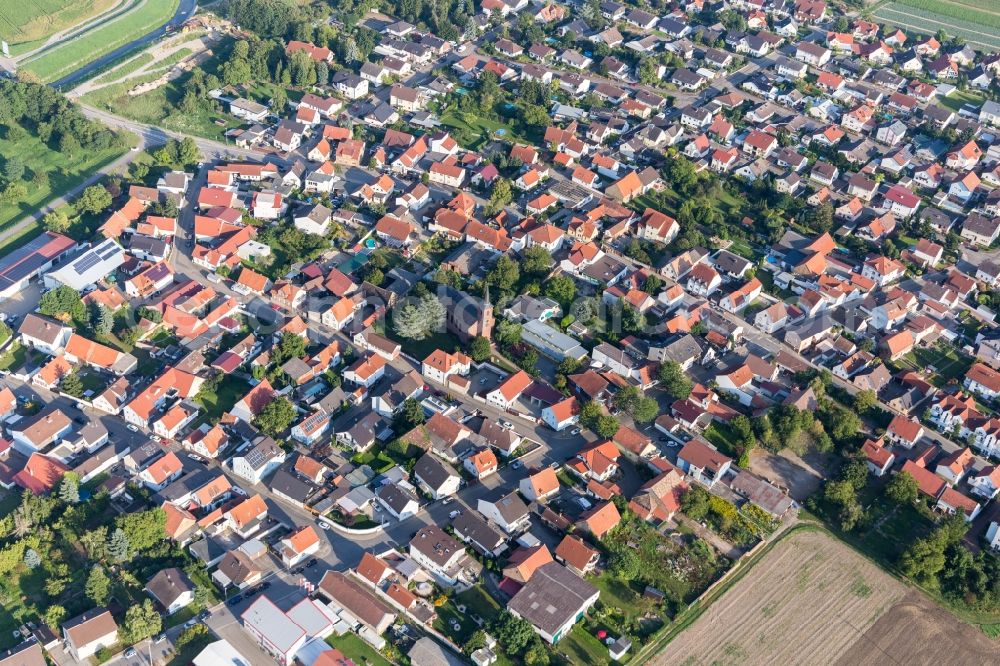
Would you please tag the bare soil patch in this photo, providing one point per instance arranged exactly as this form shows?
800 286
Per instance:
813 600
809 601
801 476
918 631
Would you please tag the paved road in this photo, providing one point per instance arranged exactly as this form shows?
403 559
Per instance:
184 11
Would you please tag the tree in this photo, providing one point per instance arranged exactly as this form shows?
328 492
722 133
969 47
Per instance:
504 274
187 152
902 488
31 558
513 633
409 417
645 410
118 546
98 586
54 616
508 333
420 319
141 622
479 349
192 633
71 385
625 564
101 319
95 543
322 73
63 300
536 260
864 400
653 284
290 346
56 221
143 529
94 199
695 503
674 381
562 289
500 195
69 489
13 169
279 100
276 416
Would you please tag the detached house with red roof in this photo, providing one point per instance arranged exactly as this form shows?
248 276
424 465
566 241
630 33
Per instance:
509 390
562 414
703 462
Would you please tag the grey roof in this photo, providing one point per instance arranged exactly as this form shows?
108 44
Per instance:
264 450
552 597
207 549
470 527
290 486
41 328
433 471
426 652
168 585
510 506
435 544
395 497
682 349
761 493
269 621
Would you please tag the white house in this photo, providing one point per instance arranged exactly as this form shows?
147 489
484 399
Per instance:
260 460
562 414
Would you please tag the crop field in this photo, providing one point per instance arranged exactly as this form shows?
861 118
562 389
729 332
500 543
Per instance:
814 600
25 25
975 21
57 62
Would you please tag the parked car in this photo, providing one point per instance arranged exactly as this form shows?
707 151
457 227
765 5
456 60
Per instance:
132 428
235 600
311 563
575 431
447 500
160 638
517 464
129 653
454 514
195 457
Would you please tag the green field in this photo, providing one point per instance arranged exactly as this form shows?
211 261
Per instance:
26 25
93 44
65 172
159 107
975 21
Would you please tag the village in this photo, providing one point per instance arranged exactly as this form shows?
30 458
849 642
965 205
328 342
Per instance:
508 348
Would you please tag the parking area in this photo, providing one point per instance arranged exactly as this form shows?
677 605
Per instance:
484 380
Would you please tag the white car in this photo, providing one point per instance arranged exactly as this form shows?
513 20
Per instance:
195 457
132 428
156 438
240 491
447 500
454 514
323 525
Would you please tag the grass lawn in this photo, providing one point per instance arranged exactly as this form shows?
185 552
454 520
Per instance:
960 98
11 500
93 44
65 172
119 71
947 363
355 649
583 648
93 382
421 349
27 25
722 436
187 654
230 390
472 131
14 357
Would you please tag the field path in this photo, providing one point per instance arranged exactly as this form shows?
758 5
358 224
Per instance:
899 17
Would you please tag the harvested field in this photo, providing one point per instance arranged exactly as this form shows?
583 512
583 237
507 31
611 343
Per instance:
942 638
808 601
